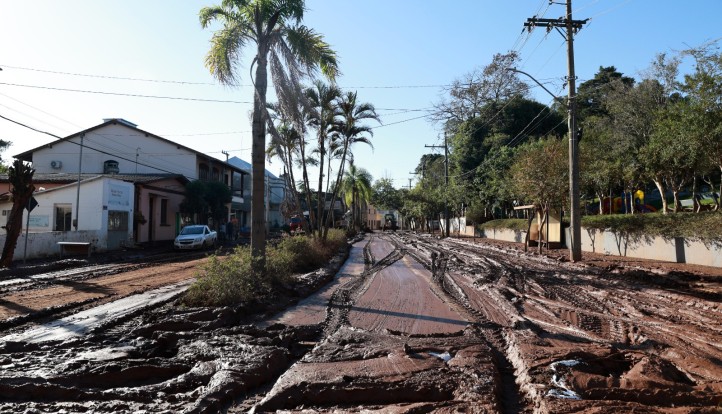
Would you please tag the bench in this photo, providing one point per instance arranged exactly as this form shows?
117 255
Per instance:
74 247
687 205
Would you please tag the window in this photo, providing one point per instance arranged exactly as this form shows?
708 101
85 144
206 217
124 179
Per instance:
164 212
203 172
216 174
117 220
63 217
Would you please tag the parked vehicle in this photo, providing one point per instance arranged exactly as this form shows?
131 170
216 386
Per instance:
390 222
295 224
195 237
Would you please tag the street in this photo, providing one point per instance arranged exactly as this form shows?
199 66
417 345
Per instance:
409 323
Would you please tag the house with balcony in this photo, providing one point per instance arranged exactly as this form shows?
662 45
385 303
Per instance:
275 194
117 149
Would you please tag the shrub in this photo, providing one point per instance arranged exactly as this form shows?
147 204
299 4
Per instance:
229 280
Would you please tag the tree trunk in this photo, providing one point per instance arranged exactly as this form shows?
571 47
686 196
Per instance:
258 164
321 199
14 228
21 179
660 187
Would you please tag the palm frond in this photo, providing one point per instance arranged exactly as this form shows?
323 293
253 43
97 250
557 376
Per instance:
312 51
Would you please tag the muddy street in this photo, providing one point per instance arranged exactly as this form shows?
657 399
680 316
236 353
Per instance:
407 323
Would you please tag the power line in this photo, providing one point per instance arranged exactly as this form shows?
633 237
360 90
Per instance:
177 98
125 78
107 76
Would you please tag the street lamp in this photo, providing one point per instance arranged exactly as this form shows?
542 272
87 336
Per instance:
575 247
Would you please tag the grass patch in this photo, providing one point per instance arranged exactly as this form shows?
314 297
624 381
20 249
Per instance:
229 280
511 224
704 226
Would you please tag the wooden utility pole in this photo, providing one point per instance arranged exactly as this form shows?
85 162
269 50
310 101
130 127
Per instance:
572 26
446 180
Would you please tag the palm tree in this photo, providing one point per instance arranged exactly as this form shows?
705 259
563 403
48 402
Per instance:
356 187
350 130
293 52
284 145
321 116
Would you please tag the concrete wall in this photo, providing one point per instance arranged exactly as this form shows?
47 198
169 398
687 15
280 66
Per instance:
41 245
677 250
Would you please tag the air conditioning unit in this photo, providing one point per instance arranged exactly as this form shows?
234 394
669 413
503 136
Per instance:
56 164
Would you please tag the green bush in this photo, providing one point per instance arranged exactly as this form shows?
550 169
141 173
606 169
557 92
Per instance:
229 280
512 224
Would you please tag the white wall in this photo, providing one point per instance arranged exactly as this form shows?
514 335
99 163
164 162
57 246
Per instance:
41 245
656 248
120 141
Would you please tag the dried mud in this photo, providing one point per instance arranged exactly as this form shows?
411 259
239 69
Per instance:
408 324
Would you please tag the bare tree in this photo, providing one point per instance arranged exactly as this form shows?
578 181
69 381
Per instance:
21 178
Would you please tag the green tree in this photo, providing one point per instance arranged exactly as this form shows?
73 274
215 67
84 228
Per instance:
350 130
194 206
704 92
674 151
385 195
217 196
540 173
321 116
20 176
3 146
356 186
592 94
292 51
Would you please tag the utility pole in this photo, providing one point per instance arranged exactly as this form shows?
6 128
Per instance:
80 171
572 26
446 179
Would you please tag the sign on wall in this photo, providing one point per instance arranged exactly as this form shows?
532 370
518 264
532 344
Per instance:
39 221
119 196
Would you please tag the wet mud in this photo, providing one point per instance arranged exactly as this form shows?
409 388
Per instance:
403 323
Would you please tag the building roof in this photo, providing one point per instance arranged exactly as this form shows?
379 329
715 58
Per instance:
28 155
247 167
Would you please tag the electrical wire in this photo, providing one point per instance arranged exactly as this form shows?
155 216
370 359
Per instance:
177 98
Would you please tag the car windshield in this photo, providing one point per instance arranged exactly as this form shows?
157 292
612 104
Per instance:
192 230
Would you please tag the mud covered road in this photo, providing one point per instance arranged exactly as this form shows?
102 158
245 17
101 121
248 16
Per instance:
408 324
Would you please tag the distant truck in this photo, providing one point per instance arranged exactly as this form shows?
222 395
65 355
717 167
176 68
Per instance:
390 222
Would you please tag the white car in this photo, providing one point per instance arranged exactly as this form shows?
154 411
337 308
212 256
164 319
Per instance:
195 237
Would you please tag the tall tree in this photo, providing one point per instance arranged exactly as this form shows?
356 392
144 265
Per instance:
704 92
20 176
385 195
478 88
322 113
357 190
292 50
592 94
350 130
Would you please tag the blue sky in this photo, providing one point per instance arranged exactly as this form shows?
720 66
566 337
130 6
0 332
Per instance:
395 53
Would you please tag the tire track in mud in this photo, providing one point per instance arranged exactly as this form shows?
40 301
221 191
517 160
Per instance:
509 395
655 331
344 297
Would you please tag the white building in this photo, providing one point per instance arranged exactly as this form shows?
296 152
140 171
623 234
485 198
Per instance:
156 167
105 221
